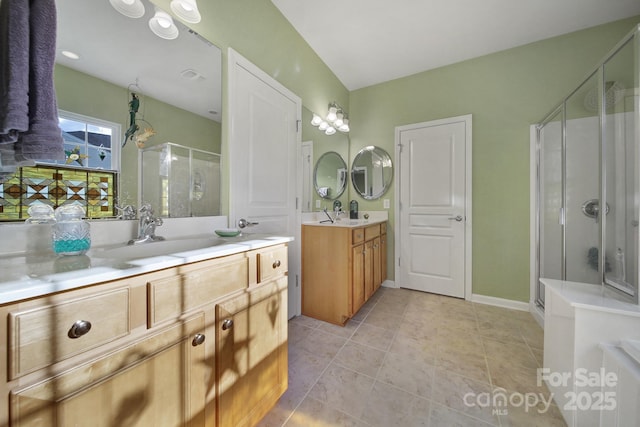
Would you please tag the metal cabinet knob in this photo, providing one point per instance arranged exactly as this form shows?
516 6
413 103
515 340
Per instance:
79 328
457 218
276 264
227 324
197 340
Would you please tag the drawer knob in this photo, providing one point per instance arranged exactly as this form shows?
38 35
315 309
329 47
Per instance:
79 328
227 324
276 264
197 340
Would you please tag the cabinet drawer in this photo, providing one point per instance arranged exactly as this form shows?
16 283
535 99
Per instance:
371 232
272 263
383 228
358 235
170 297
42 336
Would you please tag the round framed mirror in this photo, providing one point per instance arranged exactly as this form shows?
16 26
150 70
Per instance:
330 176
371 172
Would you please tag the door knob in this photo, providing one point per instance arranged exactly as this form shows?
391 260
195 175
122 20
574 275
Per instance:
242 223
457 218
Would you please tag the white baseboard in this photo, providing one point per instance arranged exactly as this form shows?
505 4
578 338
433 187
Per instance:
389 284
500 302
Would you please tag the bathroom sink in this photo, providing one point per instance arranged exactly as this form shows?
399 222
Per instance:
157 248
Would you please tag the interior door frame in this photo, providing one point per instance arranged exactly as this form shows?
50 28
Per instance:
467 119
235 59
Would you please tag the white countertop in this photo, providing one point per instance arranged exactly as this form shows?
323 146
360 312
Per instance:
592 297
31 274
351 223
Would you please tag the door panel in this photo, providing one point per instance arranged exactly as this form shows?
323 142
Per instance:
433 209
264 148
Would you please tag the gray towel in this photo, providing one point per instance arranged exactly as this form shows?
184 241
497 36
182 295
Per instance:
29 128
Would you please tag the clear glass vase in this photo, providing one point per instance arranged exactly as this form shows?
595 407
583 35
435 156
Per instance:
71 233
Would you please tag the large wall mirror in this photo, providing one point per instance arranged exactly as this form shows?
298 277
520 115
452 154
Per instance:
330 176
371 172
178 82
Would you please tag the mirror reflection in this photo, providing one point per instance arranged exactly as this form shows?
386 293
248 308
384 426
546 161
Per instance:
330 176
178 82
371 172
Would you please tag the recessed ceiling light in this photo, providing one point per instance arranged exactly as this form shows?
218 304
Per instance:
187 10
70 55
130 8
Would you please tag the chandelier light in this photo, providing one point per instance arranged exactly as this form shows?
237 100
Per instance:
187 10
335 120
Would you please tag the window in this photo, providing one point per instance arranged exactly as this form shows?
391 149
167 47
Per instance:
88 176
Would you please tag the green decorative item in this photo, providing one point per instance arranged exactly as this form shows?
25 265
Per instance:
134 105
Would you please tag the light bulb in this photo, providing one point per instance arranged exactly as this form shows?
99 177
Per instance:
316 120
330 130
338 121
345 126
332 114
323 126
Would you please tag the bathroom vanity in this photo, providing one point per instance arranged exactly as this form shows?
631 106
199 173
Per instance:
343 264
197 338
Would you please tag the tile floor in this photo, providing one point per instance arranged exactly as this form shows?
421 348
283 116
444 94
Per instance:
413 359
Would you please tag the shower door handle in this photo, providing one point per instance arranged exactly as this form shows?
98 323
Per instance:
456 218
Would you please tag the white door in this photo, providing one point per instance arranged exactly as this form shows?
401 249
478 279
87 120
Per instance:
264 143
434 179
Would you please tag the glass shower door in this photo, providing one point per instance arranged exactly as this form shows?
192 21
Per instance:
621 170
582 184
550 233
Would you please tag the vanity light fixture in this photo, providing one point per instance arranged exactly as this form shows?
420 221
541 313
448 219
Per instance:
187 10
336 119
130 8
163 26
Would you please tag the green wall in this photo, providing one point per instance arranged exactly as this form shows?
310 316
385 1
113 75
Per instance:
506 92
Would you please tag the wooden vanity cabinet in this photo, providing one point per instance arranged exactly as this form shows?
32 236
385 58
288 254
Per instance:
251 350
155 354
342 267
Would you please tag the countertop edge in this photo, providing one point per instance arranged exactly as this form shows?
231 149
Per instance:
27 287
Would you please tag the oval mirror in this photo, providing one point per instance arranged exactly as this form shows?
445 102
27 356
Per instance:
330 176
371 172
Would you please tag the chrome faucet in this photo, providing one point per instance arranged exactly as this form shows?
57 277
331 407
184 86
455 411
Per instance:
147 224
328 216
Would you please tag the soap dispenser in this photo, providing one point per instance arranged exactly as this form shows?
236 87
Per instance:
353 209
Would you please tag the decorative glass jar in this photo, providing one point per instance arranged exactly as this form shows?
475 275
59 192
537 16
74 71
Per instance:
71 233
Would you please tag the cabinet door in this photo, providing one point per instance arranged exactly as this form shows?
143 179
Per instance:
377 271
159 381
358 278
383 258
368 269
251 353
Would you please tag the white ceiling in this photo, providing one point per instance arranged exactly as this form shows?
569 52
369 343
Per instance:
365 42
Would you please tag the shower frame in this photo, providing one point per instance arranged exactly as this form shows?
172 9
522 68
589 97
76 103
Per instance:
559 114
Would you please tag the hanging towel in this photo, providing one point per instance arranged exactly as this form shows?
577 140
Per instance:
29 128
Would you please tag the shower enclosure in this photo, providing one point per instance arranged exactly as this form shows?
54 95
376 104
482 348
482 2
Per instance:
588 179
179 181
